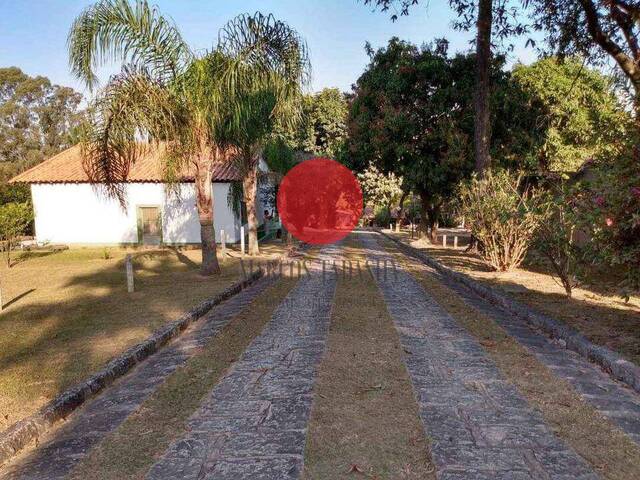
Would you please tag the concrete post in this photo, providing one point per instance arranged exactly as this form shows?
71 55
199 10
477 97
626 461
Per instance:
129 268
444 240
242 241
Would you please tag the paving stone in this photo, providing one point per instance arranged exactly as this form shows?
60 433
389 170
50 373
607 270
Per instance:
68 445
613 399
253 423
480 426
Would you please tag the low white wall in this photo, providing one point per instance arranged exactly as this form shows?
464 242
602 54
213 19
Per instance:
77 213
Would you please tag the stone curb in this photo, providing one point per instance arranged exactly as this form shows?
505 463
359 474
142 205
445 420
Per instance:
20 434
610 361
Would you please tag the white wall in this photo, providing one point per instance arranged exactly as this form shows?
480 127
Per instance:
77 213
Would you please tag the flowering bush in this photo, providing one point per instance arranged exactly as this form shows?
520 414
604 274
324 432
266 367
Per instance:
610 209
503 216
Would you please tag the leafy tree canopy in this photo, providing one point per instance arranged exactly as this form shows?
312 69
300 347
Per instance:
322 129
577 115
37 119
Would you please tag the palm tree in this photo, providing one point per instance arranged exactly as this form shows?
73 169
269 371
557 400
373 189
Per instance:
167 94
275 99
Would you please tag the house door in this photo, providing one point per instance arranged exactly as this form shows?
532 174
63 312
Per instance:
149 225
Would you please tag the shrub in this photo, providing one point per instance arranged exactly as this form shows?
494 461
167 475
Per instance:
14 220
555 238
610 209
503 215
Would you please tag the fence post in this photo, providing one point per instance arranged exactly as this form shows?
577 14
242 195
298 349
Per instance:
455 242
444 240
242 241
224 245
398 227
129 268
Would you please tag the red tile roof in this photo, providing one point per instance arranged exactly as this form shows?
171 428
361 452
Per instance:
66 167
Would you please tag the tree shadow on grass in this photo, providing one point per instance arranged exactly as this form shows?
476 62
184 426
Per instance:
49 345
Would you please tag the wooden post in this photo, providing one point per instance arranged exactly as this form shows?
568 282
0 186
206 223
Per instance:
129 267
224 245
455 241
397 227
444 240
242 241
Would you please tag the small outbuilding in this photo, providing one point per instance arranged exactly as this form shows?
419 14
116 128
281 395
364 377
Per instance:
70 209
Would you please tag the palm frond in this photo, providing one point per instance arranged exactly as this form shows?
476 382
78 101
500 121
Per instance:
132 112
267 44
115 30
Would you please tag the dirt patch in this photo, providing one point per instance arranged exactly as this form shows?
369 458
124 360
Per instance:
611 453
596 311
365 419
131 450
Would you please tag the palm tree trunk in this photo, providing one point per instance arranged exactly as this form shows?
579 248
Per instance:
250 188
482 133
204 205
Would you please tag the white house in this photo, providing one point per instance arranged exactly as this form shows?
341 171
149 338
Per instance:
70 209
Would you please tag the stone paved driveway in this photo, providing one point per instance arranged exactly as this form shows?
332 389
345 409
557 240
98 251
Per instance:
480 426
253 423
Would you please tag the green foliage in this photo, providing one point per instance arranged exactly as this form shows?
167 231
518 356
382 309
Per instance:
503 215
555 237
609 205
392 116
382 216
14 220
602 32
322 129
37 120
577 116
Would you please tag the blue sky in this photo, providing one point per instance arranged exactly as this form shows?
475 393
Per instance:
33 33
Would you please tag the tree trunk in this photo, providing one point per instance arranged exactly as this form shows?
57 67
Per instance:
204 205
401 207
424 216
250 187
433 213
482 133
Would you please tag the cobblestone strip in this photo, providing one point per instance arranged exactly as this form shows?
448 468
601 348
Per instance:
68 445
613 399
254 423
480 426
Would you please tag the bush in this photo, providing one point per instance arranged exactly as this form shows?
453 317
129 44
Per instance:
555 238
14 220
610 210
503 216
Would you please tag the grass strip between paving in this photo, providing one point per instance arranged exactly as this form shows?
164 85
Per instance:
140 441
611 453
365 419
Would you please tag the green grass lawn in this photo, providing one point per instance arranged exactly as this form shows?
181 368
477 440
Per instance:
68 313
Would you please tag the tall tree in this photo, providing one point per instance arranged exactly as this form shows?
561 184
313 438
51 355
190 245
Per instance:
268 99
165 92
409 116
37 119
482 134
495 17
